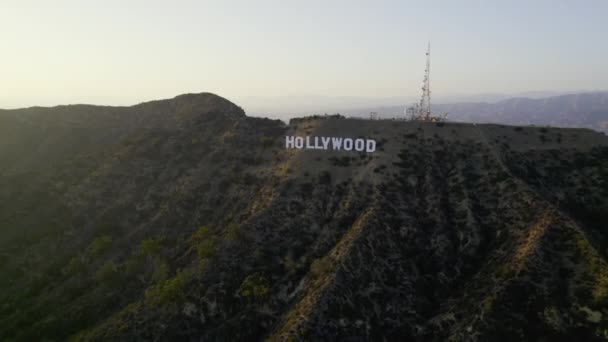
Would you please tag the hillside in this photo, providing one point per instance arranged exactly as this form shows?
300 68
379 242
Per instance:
184 219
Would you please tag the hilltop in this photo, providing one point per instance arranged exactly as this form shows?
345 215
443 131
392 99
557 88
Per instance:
186 219
583 110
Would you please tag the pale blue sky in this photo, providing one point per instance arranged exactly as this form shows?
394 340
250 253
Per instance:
124 52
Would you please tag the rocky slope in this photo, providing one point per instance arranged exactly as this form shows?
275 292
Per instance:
184 219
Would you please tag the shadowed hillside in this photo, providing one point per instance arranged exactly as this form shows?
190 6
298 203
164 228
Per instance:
184 219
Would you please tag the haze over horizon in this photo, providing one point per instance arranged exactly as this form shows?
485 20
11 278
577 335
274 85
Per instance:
122 53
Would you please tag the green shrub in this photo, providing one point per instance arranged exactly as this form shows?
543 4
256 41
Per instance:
134 264
488 303
267 141
100 245
255 286
74 266
161 271
202 233
107 273
206 249
171 290
234 232
150 247
204 243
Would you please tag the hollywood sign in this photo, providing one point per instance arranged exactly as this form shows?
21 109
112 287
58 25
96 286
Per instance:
330 143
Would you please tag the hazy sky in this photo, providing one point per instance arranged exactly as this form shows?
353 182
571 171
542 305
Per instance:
124 52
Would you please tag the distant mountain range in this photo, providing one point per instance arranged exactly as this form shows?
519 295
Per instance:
288 106
587 110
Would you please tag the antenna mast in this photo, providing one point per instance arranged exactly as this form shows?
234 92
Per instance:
421 111
425 100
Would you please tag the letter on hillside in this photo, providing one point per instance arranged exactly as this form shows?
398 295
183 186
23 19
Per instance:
289 141
317 146
299 142
308 142
370 146
325 141
348 144
336 142
359 145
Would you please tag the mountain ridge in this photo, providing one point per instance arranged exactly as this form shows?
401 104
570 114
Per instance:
586 110
211 229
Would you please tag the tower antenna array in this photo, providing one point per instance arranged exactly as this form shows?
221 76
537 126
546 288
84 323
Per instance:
425 100
421 111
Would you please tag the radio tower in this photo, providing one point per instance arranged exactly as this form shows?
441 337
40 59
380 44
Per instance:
425 100
421 111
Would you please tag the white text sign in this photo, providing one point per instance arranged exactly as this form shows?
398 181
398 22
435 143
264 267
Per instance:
330 143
